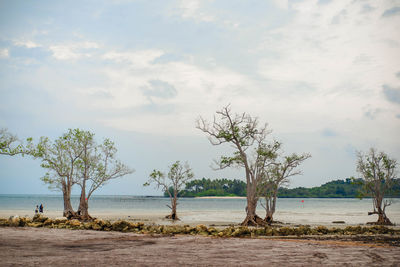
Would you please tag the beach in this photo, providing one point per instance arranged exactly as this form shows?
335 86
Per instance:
61 247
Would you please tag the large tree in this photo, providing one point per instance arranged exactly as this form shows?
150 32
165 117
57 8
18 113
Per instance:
75 158
97 165
251 151
278 176
60 158
378 172
178 175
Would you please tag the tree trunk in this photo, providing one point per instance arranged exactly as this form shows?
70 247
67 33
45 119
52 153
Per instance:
269 211
83 210
270 204
68 210
252 218
382 218
173 215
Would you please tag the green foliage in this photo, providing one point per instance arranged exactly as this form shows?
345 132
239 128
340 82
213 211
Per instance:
378 172
10 144
218 187
348 188
172 183
76 158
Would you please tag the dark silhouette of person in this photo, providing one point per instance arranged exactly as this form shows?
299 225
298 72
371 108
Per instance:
41 208
37 209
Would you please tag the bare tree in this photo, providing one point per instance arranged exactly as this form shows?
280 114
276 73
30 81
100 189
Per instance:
251 151
378 171
97 166
60 158
177 177
277 176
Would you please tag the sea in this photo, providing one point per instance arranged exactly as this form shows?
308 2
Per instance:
312 211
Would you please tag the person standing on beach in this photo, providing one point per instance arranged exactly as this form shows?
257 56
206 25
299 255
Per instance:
37 209
41 208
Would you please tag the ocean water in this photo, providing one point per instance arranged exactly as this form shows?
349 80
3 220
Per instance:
291 210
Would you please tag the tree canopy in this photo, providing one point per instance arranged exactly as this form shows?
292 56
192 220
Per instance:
252 151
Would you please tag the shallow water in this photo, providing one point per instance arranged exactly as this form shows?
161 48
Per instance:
290 210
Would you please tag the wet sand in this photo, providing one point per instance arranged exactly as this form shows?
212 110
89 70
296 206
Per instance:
61 247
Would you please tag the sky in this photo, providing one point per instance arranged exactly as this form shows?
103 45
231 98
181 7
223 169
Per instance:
324 75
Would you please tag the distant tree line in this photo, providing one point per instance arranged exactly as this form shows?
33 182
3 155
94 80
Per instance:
347 188
218 187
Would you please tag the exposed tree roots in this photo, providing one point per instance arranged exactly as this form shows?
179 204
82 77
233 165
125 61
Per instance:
69 214
253 221
269 220
382 219
172 217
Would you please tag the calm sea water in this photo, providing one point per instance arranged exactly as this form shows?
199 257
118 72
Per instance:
292 210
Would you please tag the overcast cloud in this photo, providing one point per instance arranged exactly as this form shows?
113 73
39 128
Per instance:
323 74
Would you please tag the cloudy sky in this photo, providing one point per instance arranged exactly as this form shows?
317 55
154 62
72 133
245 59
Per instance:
324 74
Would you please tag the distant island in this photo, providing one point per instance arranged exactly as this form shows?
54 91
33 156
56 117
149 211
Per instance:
346 188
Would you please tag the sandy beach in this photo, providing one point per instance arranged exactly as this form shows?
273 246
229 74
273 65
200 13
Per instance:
61 247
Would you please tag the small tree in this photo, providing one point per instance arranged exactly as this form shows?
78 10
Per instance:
378 172
277 176
177 177
251 151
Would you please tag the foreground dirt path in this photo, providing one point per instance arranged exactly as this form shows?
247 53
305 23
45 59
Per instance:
61 247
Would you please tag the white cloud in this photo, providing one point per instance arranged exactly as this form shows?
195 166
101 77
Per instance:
63 52
26 43
73 51
342 59
4 53
283 4
198 89
192 9
141 58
